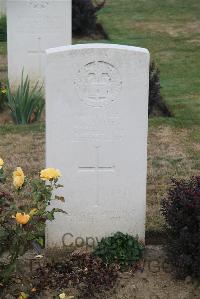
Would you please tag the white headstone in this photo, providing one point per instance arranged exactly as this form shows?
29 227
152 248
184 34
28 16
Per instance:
33 27
97 122
2 7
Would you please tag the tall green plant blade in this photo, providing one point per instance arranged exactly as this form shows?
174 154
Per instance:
26 104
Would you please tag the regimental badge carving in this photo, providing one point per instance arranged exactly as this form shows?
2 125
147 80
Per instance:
38 3
98 83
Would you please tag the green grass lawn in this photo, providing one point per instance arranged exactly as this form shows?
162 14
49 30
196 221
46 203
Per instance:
170 29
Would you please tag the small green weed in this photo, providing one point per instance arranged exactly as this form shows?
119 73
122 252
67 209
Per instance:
120 248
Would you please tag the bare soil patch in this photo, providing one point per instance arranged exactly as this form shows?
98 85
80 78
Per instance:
153 279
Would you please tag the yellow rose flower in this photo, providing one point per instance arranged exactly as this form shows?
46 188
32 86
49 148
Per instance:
1 163
3 91
22 218
50 174
18 178
23 296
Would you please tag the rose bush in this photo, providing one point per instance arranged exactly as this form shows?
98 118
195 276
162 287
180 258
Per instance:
23 214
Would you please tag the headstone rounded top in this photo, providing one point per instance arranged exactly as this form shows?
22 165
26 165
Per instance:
96 46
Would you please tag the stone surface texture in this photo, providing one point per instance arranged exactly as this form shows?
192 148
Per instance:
96 134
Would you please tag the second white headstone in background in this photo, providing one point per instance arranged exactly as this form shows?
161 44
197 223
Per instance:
96 122
32 27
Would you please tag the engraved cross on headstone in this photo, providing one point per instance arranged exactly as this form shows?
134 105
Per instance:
98 85
39 53
97 168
